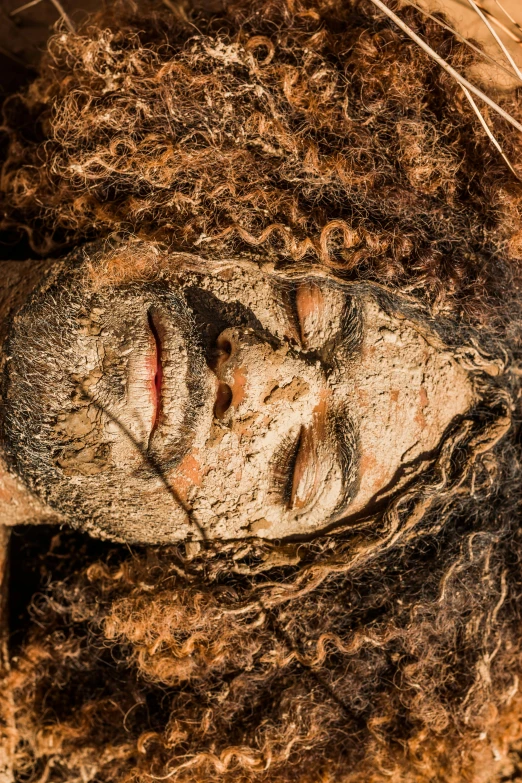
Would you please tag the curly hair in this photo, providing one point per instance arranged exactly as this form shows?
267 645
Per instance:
310 129
270 664
310 132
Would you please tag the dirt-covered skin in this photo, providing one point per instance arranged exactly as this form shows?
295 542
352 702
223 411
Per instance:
17 504
125 414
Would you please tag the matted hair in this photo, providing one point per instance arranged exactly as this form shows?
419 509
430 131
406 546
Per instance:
311 129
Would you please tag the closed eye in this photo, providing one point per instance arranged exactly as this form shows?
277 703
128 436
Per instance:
303 306
283 468
322 318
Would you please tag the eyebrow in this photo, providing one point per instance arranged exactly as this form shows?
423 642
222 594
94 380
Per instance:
352 324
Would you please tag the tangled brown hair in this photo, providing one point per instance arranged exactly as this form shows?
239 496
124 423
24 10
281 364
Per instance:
386 650
280 663
307 131
311 129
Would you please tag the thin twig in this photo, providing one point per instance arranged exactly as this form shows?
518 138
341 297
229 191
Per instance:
61 10
497 38
24 7
178 11
501 25
513 21
170 5
462 38
489 132
152 463
446 66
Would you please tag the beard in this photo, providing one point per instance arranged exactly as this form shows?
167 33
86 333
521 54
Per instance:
67 382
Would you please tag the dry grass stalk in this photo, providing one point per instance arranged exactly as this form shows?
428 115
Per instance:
489 132
466 85
24 7
461 38
61 10
501 25
499 41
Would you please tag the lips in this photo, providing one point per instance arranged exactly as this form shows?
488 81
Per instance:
178 393
155 368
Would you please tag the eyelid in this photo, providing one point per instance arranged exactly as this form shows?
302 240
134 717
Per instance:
296 471
304 310
305 480
309 307
284 467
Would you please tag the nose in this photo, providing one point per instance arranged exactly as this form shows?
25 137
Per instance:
228 389
254 376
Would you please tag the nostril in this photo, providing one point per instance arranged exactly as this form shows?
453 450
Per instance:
224 346
223 400
221 353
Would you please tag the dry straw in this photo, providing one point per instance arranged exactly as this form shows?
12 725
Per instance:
466 85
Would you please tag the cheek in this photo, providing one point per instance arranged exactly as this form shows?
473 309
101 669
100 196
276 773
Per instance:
209 479
188 475
226 481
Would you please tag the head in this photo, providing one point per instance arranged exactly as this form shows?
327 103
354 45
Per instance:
225 403
382 245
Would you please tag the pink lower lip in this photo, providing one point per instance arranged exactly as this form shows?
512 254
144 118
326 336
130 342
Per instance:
155 371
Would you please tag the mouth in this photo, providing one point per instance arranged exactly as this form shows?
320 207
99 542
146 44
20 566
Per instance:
176 394
155 369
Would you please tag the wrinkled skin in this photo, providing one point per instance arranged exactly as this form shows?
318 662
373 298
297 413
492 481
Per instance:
221 405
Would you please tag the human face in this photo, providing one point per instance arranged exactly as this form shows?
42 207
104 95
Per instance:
221 405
